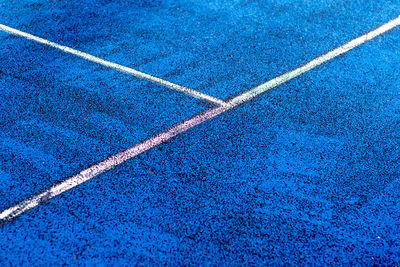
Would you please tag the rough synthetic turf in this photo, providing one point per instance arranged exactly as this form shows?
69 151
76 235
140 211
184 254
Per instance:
306 174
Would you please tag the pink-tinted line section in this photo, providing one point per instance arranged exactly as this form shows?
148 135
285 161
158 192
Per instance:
109 163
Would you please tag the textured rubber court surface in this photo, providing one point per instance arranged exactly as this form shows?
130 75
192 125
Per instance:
307 173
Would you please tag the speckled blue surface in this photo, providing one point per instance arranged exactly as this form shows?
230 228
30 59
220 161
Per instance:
61 114
218 47
306 174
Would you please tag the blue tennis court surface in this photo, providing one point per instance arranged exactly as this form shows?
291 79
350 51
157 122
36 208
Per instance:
305 174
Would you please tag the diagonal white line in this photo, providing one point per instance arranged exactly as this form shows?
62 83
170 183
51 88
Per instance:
116 66
183 126
109 163
256 91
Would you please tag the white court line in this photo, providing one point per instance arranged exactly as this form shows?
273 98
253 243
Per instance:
116 66
256 91
183 126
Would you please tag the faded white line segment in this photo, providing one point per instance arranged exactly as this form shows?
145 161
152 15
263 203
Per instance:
256 91
183 126
116 66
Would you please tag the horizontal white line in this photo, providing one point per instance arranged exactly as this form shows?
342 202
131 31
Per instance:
116 66
183 126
